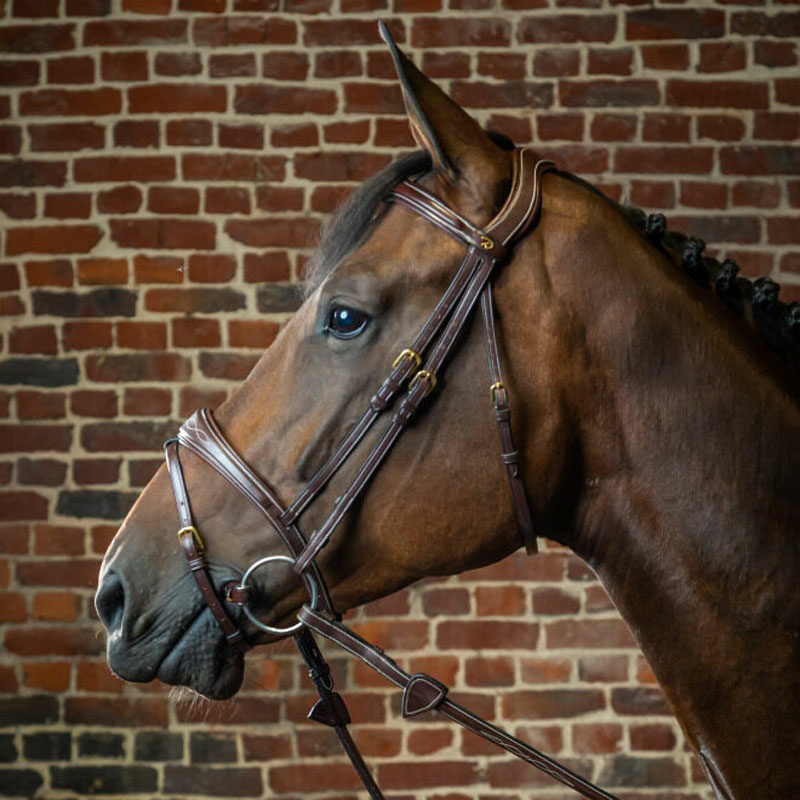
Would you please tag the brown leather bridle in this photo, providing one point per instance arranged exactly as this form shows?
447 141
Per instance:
415 370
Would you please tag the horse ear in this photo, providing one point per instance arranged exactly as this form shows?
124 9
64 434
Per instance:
456 143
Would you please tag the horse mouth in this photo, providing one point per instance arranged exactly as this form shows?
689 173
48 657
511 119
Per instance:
202 660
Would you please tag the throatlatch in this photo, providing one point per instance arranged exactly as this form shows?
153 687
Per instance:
414 372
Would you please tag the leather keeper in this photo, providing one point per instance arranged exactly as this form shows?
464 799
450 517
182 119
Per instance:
422 693
234 593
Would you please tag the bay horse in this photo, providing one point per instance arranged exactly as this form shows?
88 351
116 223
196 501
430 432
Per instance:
658 437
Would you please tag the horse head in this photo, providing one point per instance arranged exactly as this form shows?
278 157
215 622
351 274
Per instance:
376 277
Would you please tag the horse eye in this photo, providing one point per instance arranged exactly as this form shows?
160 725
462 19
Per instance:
346 323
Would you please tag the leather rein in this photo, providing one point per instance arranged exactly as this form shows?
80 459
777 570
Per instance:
413 374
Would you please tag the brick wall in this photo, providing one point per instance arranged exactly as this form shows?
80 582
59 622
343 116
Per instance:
166 165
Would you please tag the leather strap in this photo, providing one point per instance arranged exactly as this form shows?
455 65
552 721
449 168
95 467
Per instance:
201 434
502 413
429 694
192 546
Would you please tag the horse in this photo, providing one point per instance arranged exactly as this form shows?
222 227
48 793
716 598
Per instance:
657 436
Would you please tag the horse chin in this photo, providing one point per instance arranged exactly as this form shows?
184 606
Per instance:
203 661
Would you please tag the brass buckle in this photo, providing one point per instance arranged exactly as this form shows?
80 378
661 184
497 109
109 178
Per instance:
494 389
415 357
426 375
198 542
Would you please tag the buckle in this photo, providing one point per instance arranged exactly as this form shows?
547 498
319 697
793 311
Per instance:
495 388
414 356
198 542
425 375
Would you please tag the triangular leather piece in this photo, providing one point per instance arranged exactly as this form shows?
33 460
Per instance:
330 710
422 693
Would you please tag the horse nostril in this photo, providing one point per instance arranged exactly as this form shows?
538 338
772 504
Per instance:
110 601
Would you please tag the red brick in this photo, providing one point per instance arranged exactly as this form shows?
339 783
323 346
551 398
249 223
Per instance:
35 339
262 267
484 32
720 127
36 38
399 775
175 64
447 601
231 65
19 172
119 200
173 98
545 670
93 677
95 471
211 268
427 742
252 333
783 230
499 601
242 136
567 29
555 703
774 54
227 200
87 8
260 30
136 133
116 712
148 402
40 405
56 607
51 676
307 777
189 132
40 472
598 737
588 634
89 403
391 133
665 56
556 62
487 671
18 206
19 73
164 233
617 61
722 57
473 634
756 193
666 128
125 33
655 736
777 125
138 367
678 23
607 92
173 200
142 335
766 160
603 668
87 335
517 128
279 198
339 64
9 278
294 136
652 194
267 99
702 194
52 239
285 65
195 333
681 160
147 6
273 232
68 205
70 102
347 132
613 127
347 32
553 601
105 169
232 167
717 94
70 69
102 271
10 139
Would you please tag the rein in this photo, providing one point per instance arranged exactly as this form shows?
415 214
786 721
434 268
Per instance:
414 371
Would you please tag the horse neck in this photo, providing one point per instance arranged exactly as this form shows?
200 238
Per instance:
691 454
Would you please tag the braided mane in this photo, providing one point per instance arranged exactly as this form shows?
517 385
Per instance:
757 302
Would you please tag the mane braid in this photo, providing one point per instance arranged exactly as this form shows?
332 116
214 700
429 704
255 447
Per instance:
756 302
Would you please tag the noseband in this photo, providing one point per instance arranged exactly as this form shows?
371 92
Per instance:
413 375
